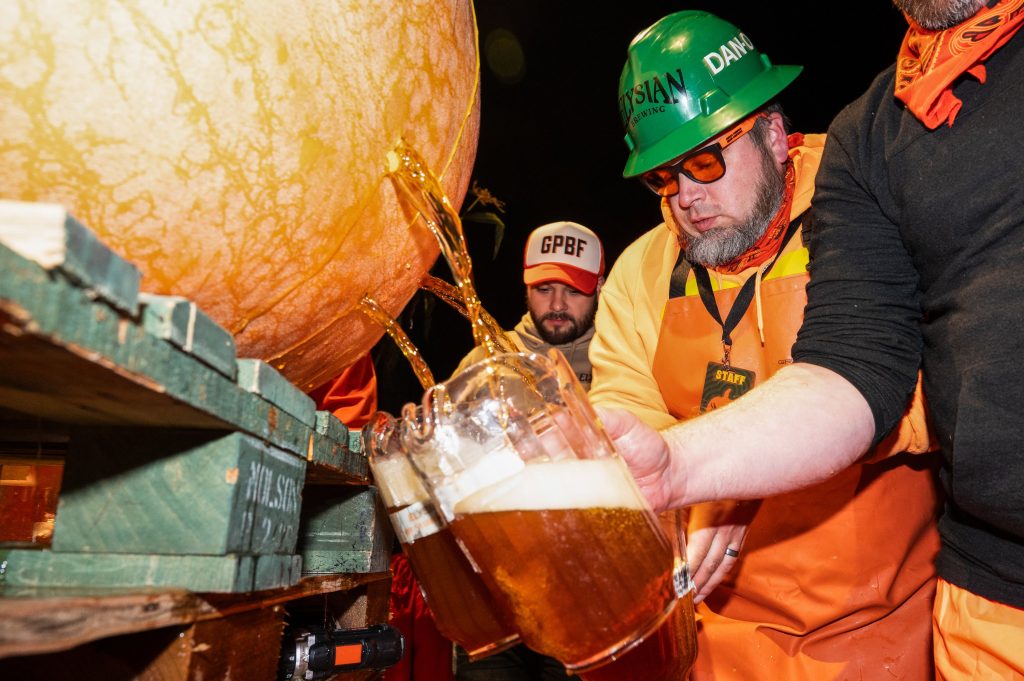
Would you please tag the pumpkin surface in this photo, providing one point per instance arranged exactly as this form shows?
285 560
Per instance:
235 150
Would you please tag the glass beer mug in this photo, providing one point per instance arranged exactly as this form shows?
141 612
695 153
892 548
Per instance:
669 652
518 465
463 609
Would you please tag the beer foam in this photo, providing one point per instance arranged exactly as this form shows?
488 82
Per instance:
558 485
496 465
398 481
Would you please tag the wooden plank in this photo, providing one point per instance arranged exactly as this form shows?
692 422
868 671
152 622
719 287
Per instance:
355 441
38 310
45 233
27 567
362 607
331 427
35 383
344 530
331 460
179 492
173 492
146 656
180 321
260 378
38 620
276 571
243 646
274 494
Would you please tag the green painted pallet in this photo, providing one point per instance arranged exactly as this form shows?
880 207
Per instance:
227 574
177 492
48 235
57 326
183 458
344 530
180 322
332 456
260 378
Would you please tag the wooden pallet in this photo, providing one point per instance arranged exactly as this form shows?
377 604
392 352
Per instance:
186 468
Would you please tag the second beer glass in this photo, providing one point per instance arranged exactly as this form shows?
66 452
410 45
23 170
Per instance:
463 609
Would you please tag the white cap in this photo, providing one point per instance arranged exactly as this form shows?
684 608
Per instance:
565 252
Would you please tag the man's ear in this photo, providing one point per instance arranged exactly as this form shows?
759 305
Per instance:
600 283
778 141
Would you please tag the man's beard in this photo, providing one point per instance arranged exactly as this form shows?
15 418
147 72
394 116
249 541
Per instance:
569 332
936 15
724 244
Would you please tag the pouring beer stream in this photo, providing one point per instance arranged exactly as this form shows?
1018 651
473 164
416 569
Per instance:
419 186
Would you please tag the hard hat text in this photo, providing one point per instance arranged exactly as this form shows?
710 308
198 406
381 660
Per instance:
727 53
664 89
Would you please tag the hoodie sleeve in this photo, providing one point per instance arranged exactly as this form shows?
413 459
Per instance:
627 326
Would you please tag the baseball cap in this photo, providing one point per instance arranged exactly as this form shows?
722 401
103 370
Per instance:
565 252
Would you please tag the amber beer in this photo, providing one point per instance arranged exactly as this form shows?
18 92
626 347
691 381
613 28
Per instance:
462 607
579 558
667 654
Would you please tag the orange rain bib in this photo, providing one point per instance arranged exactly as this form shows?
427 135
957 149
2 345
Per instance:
976 638
835 581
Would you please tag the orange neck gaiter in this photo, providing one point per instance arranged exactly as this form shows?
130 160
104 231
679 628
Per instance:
929 61
771 241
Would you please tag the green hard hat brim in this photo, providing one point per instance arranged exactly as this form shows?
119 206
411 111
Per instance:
695 132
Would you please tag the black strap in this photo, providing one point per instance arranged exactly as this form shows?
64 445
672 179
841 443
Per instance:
746 294
680 272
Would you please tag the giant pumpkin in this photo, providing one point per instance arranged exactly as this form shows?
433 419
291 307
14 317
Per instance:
235 150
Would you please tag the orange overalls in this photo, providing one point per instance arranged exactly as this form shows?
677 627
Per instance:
976 638
834 581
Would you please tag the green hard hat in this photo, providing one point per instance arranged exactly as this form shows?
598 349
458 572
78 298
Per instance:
687 78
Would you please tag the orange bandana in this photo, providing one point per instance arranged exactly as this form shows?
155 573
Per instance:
770 242
929 61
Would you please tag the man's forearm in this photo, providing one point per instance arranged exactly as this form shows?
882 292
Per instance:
802 426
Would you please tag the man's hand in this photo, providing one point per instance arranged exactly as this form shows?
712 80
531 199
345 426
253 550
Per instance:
716 530
644 451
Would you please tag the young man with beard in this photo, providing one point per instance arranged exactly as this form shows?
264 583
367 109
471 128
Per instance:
831 582
563 269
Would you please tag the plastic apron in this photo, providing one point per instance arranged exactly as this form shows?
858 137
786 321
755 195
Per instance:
976 638
835 581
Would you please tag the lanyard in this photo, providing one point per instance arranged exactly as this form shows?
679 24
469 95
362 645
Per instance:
746 294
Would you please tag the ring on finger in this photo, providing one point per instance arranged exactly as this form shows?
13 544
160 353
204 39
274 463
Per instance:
731 552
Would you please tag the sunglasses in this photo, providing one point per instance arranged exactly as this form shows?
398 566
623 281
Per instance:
704 166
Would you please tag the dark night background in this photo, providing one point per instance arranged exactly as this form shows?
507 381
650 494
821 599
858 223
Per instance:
551 144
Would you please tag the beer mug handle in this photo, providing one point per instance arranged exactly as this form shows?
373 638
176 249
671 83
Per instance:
674 523
418 424
375 433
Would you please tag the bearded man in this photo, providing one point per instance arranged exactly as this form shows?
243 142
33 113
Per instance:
835 581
